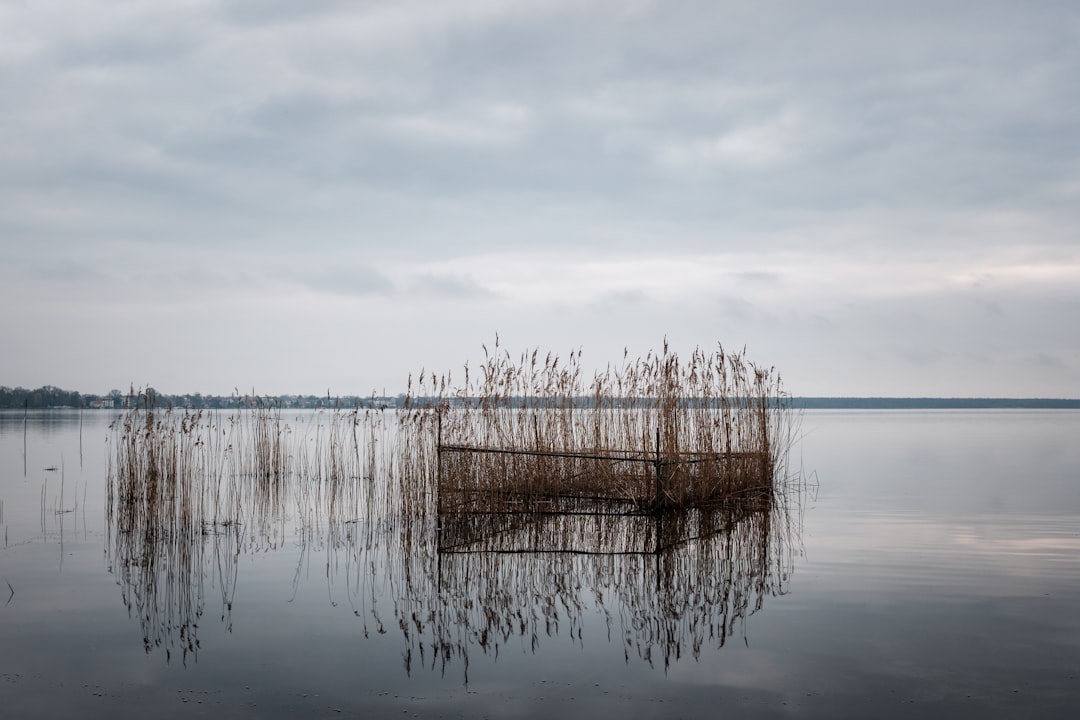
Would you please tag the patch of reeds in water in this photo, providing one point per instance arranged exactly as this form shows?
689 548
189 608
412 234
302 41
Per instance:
498 512
189 490
656 432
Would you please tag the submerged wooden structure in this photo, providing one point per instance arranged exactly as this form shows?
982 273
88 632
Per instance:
491 479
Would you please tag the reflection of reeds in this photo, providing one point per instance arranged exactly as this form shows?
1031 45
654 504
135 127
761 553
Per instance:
669 584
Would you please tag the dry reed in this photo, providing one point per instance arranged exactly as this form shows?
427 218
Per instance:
189 490
655 432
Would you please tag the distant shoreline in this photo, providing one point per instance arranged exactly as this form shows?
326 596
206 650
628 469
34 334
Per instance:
932 403
53 397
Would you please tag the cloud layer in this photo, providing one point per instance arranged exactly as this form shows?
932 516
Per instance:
876 198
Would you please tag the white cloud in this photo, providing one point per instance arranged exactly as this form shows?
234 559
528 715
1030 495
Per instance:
774 281
765 144
492 124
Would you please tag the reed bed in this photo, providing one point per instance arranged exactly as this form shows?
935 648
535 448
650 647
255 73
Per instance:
188 491
157 517
655 432
492 513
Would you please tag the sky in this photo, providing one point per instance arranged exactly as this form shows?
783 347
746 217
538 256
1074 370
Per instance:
875 198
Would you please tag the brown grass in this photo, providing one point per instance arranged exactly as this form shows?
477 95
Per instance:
654 432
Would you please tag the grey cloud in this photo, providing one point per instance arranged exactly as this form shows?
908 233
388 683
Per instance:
977 358
303 112
875 128
759 276
452 287
66 270
1050 361
135 47
921 356
354 280
623 299
992 307
278 12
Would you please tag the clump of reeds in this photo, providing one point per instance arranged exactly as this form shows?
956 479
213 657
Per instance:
187 490
654 432
155 508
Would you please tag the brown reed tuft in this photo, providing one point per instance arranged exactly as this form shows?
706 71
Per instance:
655 432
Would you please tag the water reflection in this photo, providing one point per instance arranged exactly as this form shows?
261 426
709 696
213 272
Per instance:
164 580
667 586
182 514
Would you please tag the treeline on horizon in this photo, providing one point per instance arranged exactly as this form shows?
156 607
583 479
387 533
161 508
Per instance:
931 403
50 396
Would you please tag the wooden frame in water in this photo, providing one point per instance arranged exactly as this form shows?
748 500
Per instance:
652 435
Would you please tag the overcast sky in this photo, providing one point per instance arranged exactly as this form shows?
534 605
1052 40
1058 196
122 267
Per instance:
877 198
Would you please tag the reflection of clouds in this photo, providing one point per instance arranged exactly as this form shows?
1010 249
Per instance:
962 556
1037 538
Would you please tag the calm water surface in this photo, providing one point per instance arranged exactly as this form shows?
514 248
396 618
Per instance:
935 572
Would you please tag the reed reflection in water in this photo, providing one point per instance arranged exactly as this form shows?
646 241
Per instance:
189 493
667 585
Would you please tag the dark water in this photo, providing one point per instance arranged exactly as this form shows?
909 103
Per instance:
934 573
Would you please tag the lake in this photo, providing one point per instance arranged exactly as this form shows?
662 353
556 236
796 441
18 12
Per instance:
927 566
